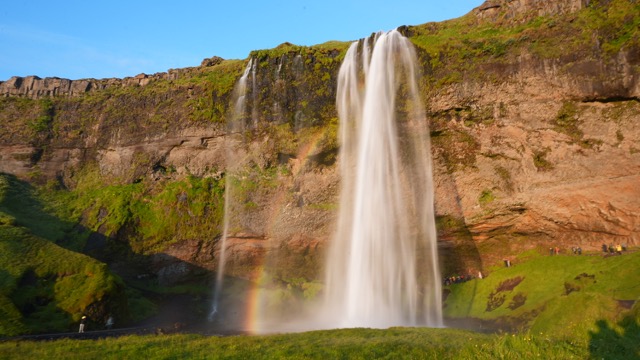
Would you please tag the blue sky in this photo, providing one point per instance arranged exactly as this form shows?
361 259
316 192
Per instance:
101 39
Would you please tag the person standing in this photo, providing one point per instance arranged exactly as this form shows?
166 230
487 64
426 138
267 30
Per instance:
109 323
82 321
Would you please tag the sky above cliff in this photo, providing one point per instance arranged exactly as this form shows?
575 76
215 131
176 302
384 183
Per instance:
101 39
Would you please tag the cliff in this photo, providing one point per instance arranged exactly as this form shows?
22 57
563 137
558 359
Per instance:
534 122
35 87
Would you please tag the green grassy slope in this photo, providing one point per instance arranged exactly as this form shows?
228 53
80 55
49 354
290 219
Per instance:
568 296
43 286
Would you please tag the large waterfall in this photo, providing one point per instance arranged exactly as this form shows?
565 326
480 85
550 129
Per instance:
382 267
382 264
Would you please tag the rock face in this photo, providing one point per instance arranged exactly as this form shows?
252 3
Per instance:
532 184
493 9
530 150
35 87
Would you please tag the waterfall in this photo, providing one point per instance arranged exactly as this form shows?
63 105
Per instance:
382 265
382 262
236 125
254 94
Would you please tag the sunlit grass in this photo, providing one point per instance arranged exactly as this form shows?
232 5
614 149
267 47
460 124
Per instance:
564 295
394 343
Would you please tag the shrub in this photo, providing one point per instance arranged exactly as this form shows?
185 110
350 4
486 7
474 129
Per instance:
518 300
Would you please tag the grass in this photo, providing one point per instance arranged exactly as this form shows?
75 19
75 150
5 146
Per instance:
218 83
44 287
574 298
540 160
393 343
486 197
562 295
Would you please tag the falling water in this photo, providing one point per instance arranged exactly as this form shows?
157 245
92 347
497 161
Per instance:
382 268
236 125
254 94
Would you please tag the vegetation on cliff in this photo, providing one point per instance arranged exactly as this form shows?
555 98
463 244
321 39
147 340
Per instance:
153 217
488 50
473 46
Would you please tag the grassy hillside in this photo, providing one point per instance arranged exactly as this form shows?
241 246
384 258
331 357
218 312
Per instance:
576 298
44 286
46 280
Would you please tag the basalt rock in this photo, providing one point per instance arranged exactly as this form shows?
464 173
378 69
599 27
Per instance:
35 87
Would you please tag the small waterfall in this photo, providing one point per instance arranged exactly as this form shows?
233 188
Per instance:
281 61
236 125
382 268
254 94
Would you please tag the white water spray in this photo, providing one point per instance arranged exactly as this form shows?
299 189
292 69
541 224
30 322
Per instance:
382 268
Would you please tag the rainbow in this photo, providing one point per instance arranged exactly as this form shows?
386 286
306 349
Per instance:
255 306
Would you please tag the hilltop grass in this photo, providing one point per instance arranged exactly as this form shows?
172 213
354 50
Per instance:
217 83
455 49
